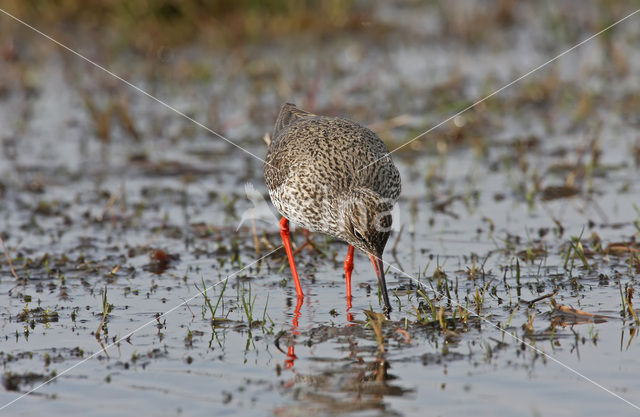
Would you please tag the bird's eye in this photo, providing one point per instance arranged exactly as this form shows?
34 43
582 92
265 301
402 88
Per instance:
357 234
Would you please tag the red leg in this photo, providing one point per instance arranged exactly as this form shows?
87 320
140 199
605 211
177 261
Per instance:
286 240
348 267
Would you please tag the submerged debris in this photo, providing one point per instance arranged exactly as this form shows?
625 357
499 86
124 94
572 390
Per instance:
160 261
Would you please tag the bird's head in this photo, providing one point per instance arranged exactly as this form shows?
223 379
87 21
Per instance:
367 220
366 225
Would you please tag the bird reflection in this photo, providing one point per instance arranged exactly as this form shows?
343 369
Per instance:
355 379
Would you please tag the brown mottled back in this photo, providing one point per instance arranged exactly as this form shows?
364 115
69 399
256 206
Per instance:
317 166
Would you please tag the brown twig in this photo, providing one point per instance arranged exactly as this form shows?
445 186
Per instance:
375 321
112 200
311 244
6 254
403 332
105 311
535 300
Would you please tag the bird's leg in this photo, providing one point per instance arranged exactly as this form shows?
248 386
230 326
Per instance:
348 268
286 240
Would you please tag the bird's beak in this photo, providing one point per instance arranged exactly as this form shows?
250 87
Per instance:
379 267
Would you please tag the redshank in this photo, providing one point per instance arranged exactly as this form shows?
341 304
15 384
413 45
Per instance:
334 176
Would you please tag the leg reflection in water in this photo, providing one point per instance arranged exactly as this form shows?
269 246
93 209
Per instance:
291 354
348 375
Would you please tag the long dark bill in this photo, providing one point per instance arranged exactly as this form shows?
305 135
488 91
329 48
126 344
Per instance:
379 267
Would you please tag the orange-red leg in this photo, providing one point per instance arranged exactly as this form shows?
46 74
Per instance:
348 268
286 240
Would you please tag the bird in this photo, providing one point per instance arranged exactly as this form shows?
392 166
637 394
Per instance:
334 176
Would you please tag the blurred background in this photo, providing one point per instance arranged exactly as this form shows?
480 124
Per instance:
232 63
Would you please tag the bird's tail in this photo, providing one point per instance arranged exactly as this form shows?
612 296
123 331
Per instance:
289 113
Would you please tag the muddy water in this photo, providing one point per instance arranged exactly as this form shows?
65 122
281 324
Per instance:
512 271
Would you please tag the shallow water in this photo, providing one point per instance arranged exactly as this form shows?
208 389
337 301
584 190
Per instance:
532 193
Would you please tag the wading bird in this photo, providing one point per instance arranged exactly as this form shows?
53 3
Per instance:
334 176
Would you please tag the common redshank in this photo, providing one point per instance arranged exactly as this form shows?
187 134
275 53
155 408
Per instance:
334 176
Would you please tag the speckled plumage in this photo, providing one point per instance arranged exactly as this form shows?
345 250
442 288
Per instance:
319 176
